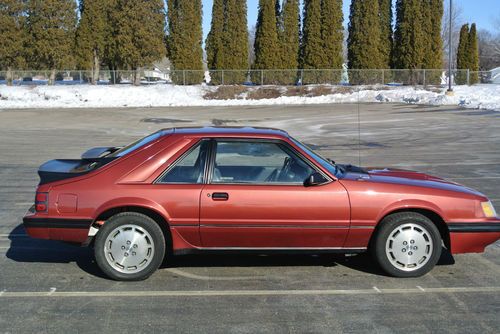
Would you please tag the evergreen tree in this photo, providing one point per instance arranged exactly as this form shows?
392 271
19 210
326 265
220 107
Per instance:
473 55
92 35
312 53
51 25
235 41
332 33
111 57
13 36
385 16
433 49
214 41
409 42
363 43
139 33
266 46
184 40
408 35
289 37
227 42
463 55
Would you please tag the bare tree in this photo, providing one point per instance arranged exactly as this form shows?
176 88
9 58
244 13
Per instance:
496 39
456 22
489 50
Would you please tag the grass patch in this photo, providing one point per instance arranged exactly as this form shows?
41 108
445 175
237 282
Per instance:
296 91
343 90
264 93
320 91
225 93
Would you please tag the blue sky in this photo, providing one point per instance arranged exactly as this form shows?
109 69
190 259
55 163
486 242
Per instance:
480 11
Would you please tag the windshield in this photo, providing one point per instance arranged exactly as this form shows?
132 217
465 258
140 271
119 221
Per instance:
324 162
135 145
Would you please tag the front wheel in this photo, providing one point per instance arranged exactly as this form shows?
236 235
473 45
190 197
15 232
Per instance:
407 244
129 247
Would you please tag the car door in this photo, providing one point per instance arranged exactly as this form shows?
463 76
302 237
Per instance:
256 198
178 190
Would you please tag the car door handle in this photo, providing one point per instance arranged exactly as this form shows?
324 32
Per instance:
220 196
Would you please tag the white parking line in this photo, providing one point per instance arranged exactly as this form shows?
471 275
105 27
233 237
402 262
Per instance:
420 288
228 293
4 249
475 178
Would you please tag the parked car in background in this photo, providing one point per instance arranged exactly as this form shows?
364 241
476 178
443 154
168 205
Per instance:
220 189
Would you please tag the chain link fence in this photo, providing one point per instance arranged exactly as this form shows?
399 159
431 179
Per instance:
391 77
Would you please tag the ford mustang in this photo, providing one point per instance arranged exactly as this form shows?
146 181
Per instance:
223 189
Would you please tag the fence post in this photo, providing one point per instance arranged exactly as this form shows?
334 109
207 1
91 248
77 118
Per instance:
468 77
184 77
302 77
262 77
383 77
424 83
222 78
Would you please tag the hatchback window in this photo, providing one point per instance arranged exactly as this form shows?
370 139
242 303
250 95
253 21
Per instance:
139 143
258 163
190 168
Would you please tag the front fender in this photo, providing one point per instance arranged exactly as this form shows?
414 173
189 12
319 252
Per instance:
410 204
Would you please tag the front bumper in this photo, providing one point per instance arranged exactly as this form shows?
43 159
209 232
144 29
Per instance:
473 237
491 227
64 229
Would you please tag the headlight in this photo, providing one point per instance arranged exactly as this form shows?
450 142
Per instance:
488 209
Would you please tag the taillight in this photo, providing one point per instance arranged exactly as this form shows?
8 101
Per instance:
41 202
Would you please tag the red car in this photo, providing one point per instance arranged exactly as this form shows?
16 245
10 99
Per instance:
188 190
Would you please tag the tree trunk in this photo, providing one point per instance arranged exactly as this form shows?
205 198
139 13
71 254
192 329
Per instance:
52 78
95 69
137 77
8 76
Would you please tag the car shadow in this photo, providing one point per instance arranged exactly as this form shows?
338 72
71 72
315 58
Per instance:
25 249
359 262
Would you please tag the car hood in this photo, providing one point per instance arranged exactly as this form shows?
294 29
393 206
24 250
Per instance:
408 177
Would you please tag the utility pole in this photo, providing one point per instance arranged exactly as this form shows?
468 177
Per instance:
450 48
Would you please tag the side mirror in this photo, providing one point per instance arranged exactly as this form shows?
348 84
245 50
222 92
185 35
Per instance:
314 179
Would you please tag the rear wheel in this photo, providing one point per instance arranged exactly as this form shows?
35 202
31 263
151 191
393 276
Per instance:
129 247
407 244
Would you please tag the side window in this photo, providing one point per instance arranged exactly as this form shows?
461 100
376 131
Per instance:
257 163
190 168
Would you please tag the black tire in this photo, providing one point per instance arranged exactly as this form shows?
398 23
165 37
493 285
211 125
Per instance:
153 239
387 252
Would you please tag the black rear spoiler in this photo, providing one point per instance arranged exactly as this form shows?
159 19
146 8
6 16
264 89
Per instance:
97 153
61 169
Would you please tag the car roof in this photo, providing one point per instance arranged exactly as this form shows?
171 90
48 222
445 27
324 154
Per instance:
227 130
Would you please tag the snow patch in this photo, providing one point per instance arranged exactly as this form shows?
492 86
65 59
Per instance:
86 96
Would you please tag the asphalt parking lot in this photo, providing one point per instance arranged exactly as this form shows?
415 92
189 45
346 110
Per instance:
46 286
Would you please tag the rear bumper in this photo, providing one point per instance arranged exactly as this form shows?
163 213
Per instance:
71 230
473 237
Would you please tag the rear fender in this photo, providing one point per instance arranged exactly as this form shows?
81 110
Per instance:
132 201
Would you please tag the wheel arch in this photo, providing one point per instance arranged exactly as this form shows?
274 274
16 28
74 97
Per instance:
148 211
432 215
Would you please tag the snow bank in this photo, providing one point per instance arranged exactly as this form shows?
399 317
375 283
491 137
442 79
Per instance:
86 96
